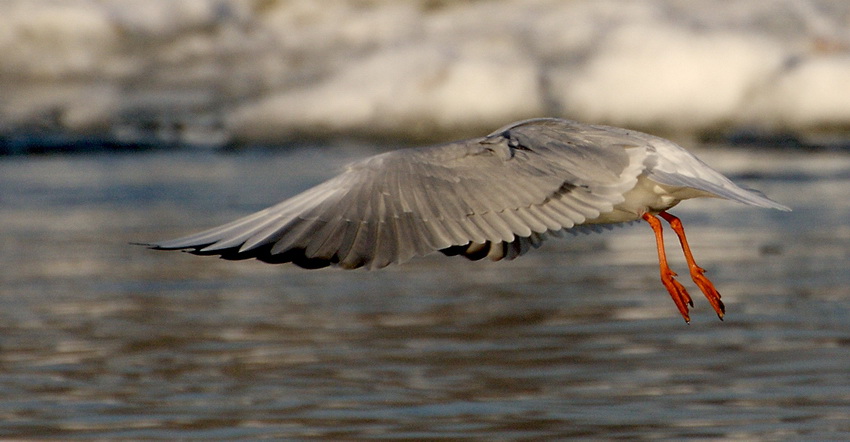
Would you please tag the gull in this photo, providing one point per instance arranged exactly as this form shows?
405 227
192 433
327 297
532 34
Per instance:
496 196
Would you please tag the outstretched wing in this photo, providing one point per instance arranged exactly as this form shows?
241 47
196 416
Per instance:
494 196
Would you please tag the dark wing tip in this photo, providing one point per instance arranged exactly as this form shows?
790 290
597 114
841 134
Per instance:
263 253
159 246
472 251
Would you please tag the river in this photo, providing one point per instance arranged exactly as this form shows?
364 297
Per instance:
103 339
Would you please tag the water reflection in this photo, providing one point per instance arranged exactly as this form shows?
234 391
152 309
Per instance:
101 339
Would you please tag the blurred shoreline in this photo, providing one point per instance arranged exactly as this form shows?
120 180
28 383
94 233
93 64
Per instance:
213 73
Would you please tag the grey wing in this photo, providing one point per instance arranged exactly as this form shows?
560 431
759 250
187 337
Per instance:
496 197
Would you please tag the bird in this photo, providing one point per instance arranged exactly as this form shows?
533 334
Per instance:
495 197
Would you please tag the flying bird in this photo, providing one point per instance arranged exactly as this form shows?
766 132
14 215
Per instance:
496 196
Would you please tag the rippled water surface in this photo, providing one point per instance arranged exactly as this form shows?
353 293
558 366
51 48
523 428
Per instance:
102 339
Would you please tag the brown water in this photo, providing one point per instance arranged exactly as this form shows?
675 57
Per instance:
101 339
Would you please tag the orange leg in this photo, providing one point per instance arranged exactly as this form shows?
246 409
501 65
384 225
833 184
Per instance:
668 276
696 271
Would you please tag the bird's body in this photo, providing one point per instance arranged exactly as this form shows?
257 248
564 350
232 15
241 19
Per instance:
495 196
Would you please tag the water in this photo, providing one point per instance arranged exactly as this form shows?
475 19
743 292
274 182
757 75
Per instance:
102 339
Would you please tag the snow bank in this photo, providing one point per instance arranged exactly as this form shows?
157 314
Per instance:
274 71
428 90
668 76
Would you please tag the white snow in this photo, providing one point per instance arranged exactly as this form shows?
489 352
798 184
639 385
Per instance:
274 71
810 93
670 76
428 89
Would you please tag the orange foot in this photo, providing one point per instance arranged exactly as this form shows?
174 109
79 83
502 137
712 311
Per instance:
696 271
677 291
668 277
708 290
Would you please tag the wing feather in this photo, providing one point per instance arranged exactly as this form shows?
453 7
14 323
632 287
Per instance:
517 225
495 197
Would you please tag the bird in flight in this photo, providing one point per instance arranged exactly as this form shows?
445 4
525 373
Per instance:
496 196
